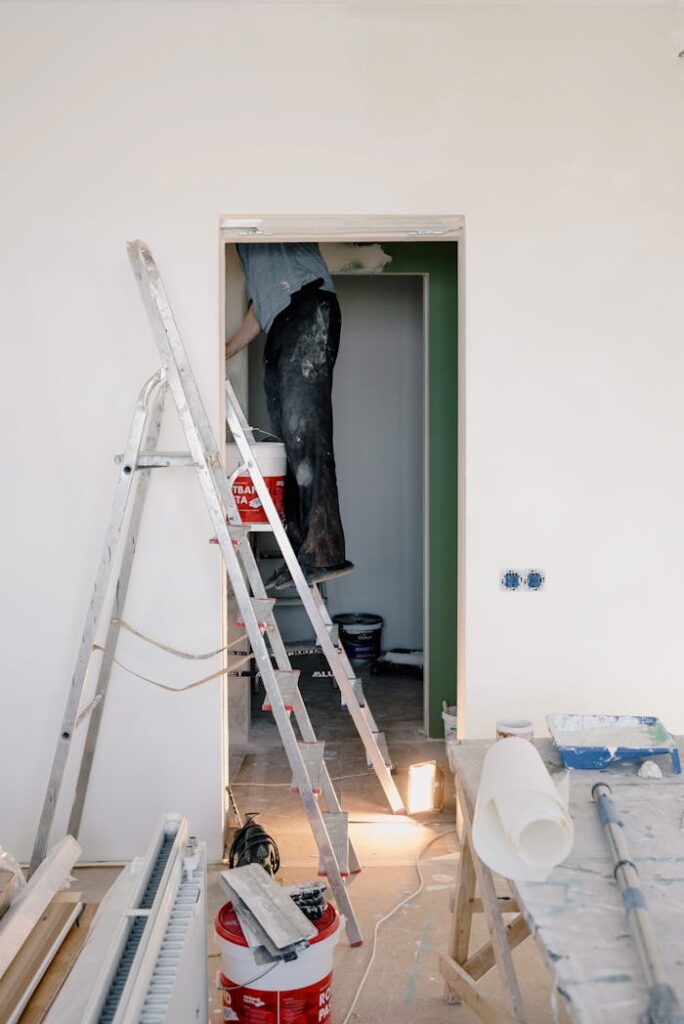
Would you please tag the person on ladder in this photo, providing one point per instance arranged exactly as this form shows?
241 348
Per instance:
292 299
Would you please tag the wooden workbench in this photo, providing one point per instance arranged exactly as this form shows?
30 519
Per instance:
577 916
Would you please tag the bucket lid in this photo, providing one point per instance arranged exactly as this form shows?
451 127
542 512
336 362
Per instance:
228 926
358 619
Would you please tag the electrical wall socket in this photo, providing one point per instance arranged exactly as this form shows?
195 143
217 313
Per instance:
522 579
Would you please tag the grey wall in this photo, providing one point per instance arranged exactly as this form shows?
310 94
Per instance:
378 403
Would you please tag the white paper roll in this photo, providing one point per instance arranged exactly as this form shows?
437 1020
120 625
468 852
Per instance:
522 827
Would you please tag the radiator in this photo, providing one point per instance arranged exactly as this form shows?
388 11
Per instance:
145 960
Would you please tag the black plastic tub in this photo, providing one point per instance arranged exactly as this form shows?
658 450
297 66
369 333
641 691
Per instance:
360 634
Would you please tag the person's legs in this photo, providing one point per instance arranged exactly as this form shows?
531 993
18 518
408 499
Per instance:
306 337
272 355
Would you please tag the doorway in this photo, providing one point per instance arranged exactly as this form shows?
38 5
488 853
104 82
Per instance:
424 270
379 409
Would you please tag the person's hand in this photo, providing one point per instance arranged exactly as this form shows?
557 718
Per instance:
249 329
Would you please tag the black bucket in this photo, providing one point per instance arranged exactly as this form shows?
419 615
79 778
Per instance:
360 634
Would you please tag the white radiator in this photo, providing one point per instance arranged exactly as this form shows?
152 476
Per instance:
145 960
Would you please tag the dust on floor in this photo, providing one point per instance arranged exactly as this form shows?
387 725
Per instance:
404 984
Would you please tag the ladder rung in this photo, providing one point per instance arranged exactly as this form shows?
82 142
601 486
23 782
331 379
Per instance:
87 710
263 609
238 535
357 687
163 460
337 825
287 680
312 756
381 742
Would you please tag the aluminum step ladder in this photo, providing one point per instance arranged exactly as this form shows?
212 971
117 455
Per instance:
349 685
305 755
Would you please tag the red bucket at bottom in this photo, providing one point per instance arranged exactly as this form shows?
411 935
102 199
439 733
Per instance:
310 1005
287 992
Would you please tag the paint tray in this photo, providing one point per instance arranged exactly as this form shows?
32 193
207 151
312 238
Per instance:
596 741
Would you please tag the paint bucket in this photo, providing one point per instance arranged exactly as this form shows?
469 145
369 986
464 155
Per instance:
272 461
291 991
449 719
360 635
520 727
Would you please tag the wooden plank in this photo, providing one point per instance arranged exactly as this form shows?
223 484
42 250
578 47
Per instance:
486 1009
506 904
483 960
29 905
44 995
34 957
463 907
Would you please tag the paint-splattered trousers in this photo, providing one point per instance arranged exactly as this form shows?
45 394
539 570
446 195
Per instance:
300 355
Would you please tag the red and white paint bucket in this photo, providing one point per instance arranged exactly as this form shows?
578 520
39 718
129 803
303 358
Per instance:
272 461
291 992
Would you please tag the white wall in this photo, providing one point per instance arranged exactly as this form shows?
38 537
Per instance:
555 129
378 402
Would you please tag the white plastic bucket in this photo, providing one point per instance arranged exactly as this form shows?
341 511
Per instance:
292 990
449 719
521 727
272 461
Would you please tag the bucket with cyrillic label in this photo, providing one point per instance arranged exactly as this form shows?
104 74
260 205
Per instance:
285 992
272 461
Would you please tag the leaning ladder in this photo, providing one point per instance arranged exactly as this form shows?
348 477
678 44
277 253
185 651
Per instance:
305 755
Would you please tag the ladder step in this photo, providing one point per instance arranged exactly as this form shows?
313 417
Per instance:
88 710
357 687
163 460
312 756
354 865
381 743
287 680
238 534
337 825
263 609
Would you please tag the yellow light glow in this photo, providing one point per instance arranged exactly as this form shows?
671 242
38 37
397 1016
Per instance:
421 787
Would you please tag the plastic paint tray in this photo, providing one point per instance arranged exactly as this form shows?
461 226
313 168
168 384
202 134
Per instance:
635 736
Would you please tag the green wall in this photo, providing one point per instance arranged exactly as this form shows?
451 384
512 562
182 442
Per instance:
439 261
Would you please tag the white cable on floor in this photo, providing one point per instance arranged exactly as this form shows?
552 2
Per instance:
392 912
333 778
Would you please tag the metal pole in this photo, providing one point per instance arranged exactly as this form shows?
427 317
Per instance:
663 1005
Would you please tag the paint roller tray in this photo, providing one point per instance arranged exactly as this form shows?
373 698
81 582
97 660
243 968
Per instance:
596 741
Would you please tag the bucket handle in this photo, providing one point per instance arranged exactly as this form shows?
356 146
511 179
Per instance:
235 474
267 433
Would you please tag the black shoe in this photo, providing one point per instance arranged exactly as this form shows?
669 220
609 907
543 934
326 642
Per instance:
315 574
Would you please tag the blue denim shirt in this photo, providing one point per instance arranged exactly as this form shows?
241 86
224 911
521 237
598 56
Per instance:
275 271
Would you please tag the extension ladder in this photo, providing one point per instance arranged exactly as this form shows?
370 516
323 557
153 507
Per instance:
304 754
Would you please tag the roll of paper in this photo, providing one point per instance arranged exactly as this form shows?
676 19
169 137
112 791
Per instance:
522 828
